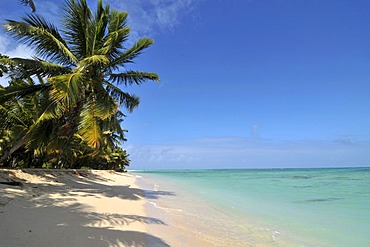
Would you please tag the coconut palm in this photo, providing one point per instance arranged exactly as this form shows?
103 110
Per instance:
85 66
18 115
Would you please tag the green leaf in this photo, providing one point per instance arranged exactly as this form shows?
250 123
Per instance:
130 101
80 32
25 68
12 92
130 54
68 89
42 36
89 128
131 77
94 60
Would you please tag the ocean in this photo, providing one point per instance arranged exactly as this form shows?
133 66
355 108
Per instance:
266 207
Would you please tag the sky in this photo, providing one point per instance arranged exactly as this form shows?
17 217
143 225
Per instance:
244 83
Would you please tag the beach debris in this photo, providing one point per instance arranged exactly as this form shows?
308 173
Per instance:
12 183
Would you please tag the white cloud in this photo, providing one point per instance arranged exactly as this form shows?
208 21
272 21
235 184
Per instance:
147 16
4 42
238 152
19 51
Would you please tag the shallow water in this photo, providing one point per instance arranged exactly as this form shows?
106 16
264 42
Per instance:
278 207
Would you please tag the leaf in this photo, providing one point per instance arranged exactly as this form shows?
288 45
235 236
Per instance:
131 77
130 101
25 68
93 61
79 31
68 89
12 115
89 128
42 36
130 54
117 21
29 3
12 92
113 43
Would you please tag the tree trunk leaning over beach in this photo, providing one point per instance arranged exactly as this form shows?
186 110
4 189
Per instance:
84 66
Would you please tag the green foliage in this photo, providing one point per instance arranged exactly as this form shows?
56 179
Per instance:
62 109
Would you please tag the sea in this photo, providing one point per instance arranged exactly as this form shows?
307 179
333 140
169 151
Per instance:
266 207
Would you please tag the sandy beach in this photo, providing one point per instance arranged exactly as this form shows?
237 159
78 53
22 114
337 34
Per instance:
80 208
105 208
95 208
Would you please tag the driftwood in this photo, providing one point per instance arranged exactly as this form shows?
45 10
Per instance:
12 183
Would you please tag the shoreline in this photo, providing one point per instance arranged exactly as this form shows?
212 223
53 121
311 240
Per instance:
51 207
42 207
174 231
194 221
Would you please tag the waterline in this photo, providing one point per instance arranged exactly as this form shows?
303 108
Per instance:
303 207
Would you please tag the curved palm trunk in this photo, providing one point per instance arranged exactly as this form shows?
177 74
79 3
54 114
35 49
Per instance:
14 148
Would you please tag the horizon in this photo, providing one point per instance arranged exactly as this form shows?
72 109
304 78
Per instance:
155 170
248 84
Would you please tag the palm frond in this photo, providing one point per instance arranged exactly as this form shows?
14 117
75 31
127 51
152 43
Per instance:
89 128
40 135
6 65
118 20
25 68
129 101
68 89
131 53
52 112
43 36
29 3
113 127
113 43
131 77
8 114
105 106
100 23
13 92
79 30
94 60
118 33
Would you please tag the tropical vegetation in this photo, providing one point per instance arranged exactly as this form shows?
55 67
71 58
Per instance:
64 108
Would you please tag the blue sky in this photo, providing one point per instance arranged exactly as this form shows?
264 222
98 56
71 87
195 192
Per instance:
245 83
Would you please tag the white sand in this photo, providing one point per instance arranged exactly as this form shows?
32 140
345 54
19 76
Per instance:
73 208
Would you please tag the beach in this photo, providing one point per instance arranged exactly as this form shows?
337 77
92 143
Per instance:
73 208
80 208
302 207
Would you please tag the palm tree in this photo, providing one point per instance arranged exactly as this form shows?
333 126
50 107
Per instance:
84 66
29 3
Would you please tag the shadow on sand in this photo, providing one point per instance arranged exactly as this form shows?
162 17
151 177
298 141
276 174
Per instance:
50 221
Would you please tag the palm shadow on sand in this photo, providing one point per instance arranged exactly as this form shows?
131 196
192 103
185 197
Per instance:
73 225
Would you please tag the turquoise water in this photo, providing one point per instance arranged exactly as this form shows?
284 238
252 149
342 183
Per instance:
308 207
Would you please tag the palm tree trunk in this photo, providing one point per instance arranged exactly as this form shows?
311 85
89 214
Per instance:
14 148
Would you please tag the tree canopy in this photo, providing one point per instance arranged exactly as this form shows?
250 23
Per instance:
62 108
